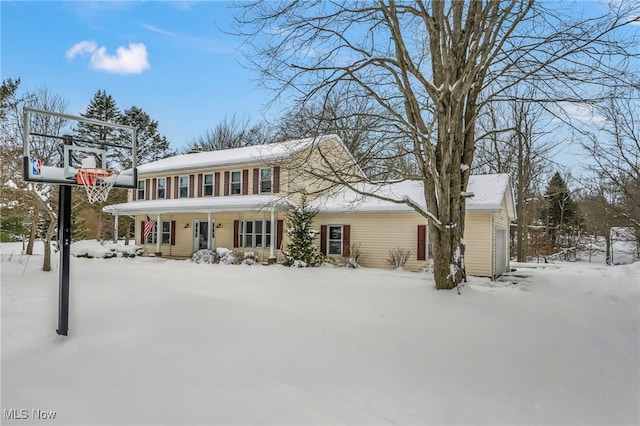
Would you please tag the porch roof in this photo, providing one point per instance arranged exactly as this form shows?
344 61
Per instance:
244 203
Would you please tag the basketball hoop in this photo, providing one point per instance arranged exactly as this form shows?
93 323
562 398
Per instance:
97 182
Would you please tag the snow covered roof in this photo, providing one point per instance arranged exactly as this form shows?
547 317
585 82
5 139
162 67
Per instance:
236 156
488 191
200 205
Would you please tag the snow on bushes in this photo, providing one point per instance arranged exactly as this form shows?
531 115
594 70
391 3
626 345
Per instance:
104 249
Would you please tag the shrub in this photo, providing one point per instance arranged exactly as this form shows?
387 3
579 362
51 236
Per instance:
227 257
355 256
250 258
205 256
301 251
398 257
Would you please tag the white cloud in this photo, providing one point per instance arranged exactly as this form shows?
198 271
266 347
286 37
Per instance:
582 112
80 48
157 30
127 60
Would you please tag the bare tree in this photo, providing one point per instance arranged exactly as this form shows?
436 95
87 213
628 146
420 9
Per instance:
516 138
37 200
426 64
230 133
615 149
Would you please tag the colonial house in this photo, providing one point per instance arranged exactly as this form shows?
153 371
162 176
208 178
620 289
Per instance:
237 198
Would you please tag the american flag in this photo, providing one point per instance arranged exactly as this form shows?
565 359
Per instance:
148 227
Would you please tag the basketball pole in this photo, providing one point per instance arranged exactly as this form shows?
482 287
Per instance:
64 242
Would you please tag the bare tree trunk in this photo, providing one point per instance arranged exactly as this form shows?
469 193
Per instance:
32 234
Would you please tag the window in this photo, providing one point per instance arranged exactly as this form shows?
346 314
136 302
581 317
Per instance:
334 240
265 180
208 184
255 233
162 183
184 186
166 233
236 183
141 185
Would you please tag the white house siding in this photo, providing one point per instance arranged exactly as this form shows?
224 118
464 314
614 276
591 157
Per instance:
478 237
379 233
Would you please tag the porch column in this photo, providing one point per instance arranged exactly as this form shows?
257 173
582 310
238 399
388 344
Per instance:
115 228
209 231
158 233
274 237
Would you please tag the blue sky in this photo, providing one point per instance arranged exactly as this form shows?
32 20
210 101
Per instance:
171 59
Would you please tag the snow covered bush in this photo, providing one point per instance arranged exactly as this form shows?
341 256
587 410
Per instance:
250 258
205 256
104 249
227 256
355 256
301 252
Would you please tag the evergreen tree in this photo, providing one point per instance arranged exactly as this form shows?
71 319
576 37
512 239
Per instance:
151 145
102 107
561 212
301 251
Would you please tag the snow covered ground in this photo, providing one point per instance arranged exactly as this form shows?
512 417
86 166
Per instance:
163 342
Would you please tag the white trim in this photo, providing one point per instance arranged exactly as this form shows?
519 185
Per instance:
329 239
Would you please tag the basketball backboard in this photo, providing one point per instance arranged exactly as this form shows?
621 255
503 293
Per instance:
57 145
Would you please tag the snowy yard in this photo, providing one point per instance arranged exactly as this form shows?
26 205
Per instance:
163 342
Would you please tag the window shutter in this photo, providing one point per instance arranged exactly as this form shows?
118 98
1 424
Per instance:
135 193
276 179
176 186
147 189
323 239
216 184
245 181
422 242
168 188
236 236
346 240
200 185
153 188
279 232
256 180
192 179
142 232
226 184
173 233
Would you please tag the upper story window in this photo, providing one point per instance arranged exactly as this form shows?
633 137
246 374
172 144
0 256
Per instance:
184 187
208 184
266 179
161 191
236 183
141 189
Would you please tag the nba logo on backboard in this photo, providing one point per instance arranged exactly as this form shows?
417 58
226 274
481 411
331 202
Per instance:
35 167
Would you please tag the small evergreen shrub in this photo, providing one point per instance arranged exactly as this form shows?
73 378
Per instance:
250 258
205 256
301 252
227 256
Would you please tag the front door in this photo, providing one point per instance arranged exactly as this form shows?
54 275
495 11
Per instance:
201 235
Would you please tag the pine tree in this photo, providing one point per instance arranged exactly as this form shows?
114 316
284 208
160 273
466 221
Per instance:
102 107
561 212
301 251
151 145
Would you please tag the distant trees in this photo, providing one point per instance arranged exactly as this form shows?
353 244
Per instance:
230 133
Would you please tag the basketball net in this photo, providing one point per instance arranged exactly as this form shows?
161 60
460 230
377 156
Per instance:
96 181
